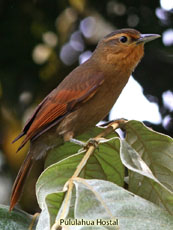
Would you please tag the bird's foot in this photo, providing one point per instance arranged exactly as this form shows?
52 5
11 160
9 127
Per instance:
93 142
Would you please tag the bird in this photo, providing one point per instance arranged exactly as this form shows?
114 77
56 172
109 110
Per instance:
82 99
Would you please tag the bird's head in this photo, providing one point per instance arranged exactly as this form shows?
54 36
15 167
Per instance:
123 47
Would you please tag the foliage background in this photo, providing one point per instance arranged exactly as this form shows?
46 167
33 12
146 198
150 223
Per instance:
42 41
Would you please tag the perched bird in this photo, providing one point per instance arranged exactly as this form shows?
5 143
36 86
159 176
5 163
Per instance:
82 99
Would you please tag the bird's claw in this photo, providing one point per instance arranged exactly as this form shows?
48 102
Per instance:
93 142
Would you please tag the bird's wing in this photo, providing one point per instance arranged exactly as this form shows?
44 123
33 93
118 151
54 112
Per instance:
60 102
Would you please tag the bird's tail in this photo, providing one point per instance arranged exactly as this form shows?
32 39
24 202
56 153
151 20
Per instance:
20 180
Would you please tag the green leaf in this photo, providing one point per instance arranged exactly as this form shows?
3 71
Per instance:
15 220
53 179
93 199
105 164
49 188
98 199
54 202
48 215
149 157
108 158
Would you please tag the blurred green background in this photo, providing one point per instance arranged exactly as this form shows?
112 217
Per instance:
41 41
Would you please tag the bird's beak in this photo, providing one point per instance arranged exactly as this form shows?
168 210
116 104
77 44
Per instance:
147 38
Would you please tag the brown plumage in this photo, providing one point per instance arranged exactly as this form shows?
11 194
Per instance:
82 99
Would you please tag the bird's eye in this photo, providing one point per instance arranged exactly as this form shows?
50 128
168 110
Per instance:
123 39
